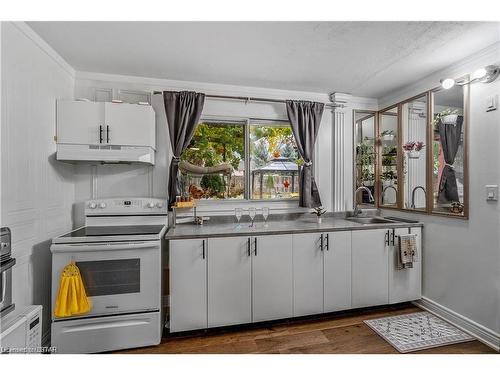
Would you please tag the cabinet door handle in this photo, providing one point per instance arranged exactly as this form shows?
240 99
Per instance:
321 242
393 236
255 250
248 246
100 134
327 242
203 249
107 133
387 238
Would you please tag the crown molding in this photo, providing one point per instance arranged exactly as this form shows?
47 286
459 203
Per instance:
160 84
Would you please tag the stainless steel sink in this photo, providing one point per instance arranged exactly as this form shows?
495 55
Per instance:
370 220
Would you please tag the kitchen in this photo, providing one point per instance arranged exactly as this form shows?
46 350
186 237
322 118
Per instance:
241 208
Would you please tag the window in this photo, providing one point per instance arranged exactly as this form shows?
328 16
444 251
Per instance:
215 145
274 161
251 159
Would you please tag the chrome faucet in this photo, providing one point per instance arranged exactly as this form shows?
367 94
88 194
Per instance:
387 187
370 198
413 194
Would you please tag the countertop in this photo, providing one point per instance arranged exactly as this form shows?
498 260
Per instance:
302 224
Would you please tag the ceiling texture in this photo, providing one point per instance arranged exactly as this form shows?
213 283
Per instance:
361 58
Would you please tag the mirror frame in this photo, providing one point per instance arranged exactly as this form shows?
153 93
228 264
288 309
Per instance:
375 164
428 134
466 114
399 164
429 209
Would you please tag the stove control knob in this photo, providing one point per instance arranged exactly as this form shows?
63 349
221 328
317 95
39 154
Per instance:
92 205
150 205
102 205
159 204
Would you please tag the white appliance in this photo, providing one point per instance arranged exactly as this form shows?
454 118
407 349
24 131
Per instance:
105 132
21 331
119 254
6 264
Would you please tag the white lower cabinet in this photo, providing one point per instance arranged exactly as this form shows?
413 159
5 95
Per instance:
188 284
272 284
229 281
405 284
370 260
235 280
308 273
321 272
337 272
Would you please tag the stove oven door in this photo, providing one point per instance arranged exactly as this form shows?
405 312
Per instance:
119 277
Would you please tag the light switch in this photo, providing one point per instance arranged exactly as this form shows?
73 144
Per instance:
491 192
491 103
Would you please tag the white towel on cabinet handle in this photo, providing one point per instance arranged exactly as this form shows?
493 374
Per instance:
407 251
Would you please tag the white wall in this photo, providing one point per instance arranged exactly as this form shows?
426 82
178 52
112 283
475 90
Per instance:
461 260
37 192
112 180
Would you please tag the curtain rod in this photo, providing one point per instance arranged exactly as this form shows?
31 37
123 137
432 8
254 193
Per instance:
245 98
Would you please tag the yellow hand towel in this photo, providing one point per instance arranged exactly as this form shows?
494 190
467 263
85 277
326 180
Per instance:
71 299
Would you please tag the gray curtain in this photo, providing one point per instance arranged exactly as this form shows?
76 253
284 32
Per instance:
449 136
183 110
305 118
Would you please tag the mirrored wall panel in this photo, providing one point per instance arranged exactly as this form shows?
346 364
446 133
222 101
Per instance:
449 151
413 147
389 158
365 155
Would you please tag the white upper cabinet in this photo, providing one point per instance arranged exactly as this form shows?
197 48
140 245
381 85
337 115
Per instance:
370 267
405 284
80 122
122 124
129 124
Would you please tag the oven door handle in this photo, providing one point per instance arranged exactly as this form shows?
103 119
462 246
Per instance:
112 246
5 266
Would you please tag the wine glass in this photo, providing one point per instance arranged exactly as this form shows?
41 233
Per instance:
258 211
251 213
265 214
238 212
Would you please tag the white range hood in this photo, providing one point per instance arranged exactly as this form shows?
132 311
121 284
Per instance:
105 153
105 132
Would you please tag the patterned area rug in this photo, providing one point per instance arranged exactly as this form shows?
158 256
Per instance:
418 331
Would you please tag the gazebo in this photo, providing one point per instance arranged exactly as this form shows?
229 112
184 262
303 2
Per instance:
281 166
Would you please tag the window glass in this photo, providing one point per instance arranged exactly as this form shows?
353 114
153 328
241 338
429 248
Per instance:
214 162
274 161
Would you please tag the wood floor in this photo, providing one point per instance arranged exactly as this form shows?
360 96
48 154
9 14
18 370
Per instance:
341 334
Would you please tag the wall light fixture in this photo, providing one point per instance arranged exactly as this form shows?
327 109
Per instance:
485 75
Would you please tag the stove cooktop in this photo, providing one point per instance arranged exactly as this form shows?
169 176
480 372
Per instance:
107 231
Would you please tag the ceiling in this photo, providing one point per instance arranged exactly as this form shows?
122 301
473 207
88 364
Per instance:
361 58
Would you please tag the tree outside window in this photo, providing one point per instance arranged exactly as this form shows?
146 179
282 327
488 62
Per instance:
272 155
